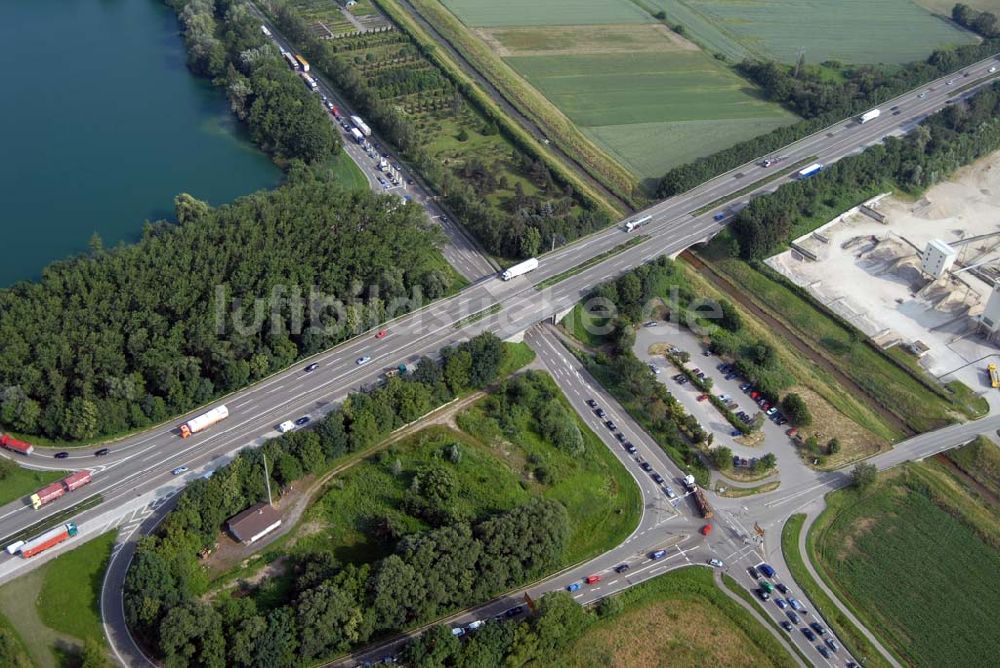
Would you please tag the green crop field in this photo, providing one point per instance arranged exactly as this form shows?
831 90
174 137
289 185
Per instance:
487 13
852 31
909 558
655 111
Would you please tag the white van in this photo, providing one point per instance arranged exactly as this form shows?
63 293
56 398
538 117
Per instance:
286 426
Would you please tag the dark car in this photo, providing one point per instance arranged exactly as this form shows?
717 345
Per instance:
783 589
630 448
657 478
646 466
621 568
808 634
753 572
610 425
824 651
818 628
786 625
764 596
312 367
102 452
621 437
61 455
515 611
600 413
792 616
591 403
302 420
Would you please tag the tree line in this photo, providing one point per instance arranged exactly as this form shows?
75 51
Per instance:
984 23
128 337
331 607
959 134
224 43
520 229
821 101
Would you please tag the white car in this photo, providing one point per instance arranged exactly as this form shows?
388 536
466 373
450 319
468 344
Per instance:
716 562
473 626
363 360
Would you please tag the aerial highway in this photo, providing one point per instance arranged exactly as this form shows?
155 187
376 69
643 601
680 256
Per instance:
144 461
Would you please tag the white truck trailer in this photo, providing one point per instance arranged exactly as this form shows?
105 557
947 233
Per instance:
360 125
869 116
520 269
204 421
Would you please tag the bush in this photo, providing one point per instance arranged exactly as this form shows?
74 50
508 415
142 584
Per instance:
795 409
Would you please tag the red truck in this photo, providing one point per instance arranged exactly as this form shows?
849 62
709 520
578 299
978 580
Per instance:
52 492
20 447
48 539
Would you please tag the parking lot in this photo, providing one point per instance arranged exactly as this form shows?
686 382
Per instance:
772 437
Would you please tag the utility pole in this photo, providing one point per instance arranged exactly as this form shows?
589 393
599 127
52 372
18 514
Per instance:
267 480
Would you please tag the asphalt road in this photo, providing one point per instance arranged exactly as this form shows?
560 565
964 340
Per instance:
143 462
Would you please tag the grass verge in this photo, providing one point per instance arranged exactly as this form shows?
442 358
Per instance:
597 259
682 619
740 492
843 627
479 315
346 172
17 482
71 590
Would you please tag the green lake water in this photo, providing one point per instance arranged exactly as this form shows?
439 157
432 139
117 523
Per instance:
101 125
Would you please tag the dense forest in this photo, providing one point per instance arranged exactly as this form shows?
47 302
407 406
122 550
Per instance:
515 227
128 337
331 607
954 136
224 43
822 95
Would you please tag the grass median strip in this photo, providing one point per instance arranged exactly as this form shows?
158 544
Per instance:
55 520
773 176
559 278
479 315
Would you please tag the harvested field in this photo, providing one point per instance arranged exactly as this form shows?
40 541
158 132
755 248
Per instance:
549 12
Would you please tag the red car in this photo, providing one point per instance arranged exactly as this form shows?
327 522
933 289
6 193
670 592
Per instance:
754 394
381 333
593 579
707 529
702 397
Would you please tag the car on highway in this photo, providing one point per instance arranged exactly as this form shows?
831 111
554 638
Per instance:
591 403
786 625
381 333
179 470
764 596
620 436
312 367
792 616
646 466
610 425
818 628
363 360
808 634
823 651
514 612
922 95
832 644
780 603
950 82
302 420
670 492
794 602
782 588
599 412
61 455
621 568
102 452
629 448
753 572
717 563
657 554
592 579
573 587
657 478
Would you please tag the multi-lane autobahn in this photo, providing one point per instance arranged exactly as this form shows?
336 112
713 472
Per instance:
144 461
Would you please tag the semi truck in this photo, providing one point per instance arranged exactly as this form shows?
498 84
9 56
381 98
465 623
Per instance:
520 269
811 170
303 63
994 374
358 137
290 59
633 225
50 493
310 81
360 125
48 539
204 421
869 116
703 507
8 442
